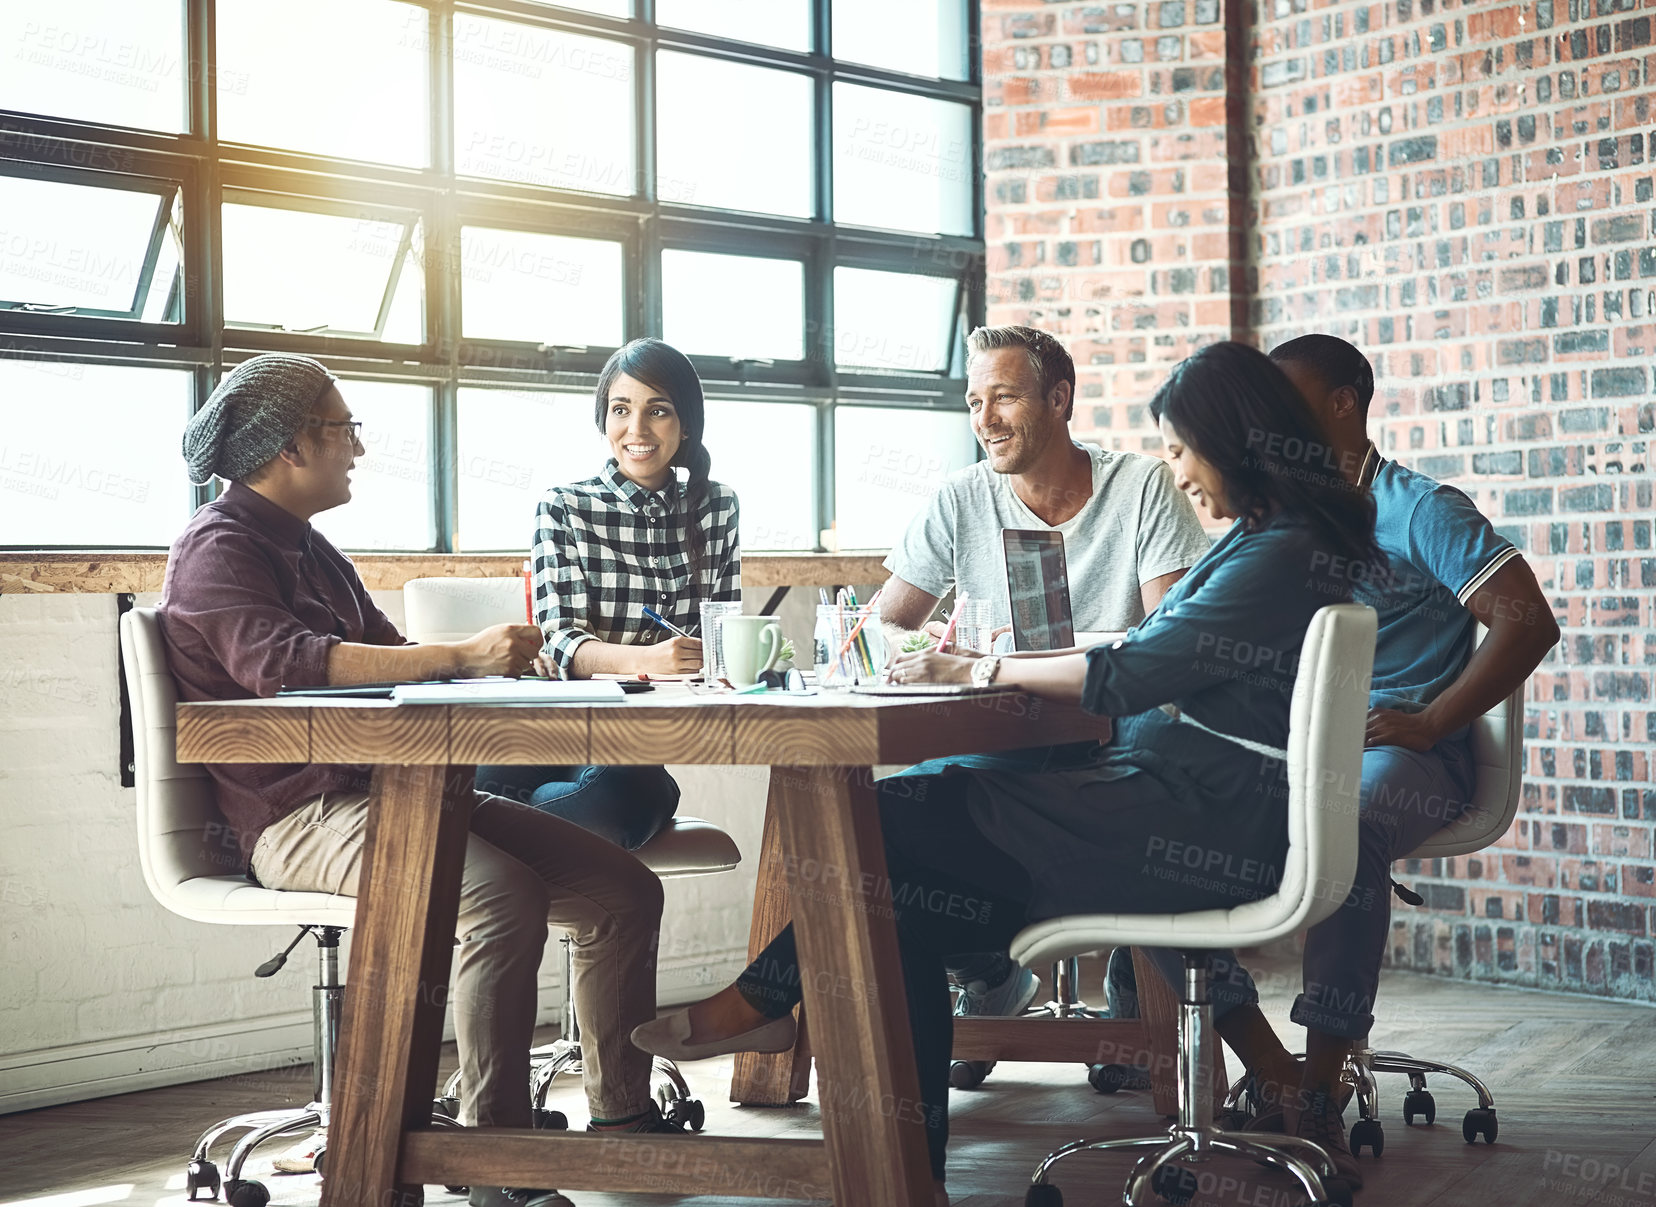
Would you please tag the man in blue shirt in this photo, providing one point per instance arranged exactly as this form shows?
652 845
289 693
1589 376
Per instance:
1448 571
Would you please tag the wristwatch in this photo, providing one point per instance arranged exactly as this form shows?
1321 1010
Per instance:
984 671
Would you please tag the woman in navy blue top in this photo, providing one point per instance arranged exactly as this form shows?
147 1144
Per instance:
1201 691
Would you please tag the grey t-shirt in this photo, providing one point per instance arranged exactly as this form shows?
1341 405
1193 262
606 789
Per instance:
1135 527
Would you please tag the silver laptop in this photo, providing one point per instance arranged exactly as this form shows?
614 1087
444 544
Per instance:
1037 589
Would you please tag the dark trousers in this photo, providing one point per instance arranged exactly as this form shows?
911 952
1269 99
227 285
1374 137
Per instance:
626 805
951 891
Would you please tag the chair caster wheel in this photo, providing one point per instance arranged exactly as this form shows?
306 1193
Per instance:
1336 1192
1478 1119
245 1194
201 1175
1174 1183
1043 1194
548 1121
321 1156
1107 1079
969 1074
1367 1133
447 1107
1419 1102
688 1112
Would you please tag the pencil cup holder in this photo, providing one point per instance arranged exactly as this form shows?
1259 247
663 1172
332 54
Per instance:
850 645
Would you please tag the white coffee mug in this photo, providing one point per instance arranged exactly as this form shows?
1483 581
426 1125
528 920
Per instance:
751 644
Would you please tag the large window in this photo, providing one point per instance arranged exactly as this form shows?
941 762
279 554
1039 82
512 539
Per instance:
463 209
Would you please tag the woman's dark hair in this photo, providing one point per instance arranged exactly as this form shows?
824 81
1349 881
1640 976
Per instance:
1334 360
664 368
1238 411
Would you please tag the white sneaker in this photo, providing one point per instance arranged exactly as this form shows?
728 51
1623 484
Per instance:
301 1158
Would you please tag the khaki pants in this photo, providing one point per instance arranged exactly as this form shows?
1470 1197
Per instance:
523 871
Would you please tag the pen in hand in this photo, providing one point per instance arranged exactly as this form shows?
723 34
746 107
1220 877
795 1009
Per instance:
658 618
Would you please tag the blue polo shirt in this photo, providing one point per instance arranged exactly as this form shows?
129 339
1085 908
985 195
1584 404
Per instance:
1441 549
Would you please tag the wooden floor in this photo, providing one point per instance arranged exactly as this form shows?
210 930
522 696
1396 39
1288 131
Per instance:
1574 1080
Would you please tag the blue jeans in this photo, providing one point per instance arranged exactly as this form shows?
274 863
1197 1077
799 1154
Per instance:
626 805
968 966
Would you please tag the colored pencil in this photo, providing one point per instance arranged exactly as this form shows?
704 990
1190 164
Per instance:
948 630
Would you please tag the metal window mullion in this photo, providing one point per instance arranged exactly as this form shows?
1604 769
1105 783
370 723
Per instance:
443 282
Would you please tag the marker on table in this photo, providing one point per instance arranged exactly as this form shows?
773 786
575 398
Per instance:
652 614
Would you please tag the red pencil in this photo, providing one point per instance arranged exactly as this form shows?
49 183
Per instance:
948 631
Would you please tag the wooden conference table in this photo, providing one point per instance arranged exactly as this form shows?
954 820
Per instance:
823 830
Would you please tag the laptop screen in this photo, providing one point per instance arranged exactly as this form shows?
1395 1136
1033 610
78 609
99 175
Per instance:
1037 589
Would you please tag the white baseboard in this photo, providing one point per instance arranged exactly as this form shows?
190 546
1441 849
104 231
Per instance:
76 1072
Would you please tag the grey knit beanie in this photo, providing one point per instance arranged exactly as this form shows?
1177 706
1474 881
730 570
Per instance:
255 411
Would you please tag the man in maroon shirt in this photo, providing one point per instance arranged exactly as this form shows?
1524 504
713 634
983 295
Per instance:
256 600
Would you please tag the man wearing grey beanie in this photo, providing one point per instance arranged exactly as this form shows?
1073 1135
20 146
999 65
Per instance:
256 600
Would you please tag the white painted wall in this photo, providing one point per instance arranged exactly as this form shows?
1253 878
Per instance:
102 991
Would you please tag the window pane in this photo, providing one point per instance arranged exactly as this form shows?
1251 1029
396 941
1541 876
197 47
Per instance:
71 245
766 452
785 23
737 306
892 320
543 289
333 79
90 454
887 463
902 162
119 62
513 446
298 271
538 106
391 502
919 37
732 136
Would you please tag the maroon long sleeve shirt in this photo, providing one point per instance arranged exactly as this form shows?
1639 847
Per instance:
255 599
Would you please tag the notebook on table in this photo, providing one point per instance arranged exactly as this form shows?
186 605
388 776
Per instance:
509 691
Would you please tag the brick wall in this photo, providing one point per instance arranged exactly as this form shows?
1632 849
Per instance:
1463 190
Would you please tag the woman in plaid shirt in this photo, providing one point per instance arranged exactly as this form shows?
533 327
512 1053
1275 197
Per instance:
634 536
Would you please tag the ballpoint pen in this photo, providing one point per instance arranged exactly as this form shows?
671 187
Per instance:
652 614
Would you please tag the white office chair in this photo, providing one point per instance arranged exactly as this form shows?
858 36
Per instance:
452 609
193 866
1325 749
1498 754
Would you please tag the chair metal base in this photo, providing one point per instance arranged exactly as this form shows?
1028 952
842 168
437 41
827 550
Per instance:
1368 1132
562 1058
1195 1138
1066 1001
202 1173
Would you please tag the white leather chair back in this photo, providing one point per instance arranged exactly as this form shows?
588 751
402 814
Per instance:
1326 722
1325 774
1498 755
190 857
453 609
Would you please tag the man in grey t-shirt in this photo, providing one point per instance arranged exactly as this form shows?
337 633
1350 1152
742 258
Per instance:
1129 534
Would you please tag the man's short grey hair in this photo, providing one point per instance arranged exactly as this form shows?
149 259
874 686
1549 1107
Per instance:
1047 357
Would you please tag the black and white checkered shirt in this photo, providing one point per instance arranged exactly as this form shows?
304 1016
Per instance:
606 548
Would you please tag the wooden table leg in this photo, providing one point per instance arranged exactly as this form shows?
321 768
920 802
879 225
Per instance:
400 954
783 1078
853 985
